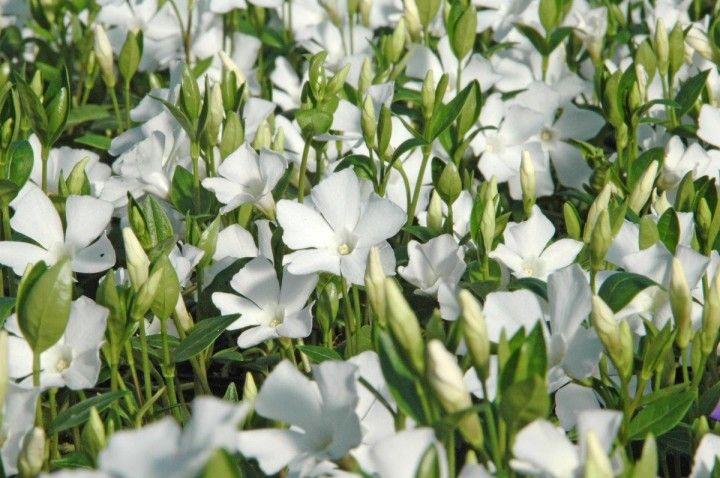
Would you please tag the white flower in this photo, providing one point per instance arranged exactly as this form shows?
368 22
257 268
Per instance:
435 268
270 310
163 449
74 361
83 240
706 456
322 416
246 177
336 227
511 311
399 455
542 449
525 250
62 160
18 419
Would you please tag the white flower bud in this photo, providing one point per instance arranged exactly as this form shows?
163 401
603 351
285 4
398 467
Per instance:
435 213
681 303
527 181
698 41
597 463
446 380
229 64
138 264
32 454
662 47
104 55
487 225
412 19
643 188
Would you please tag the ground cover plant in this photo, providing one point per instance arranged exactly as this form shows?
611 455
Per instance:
359 238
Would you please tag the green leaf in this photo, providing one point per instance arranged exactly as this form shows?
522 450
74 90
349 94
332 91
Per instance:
408 145
534 285
535 37
202 336
524 401
180 116
94 141
44 307
32 108
444 116
79 413
221 465
690 91
20 160
318 353
620 288
401 381
661 416
86 113
361 164
168 291
669 229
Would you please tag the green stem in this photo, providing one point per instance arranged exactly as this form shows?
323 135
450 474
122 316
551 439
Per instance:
303 168
44 154
116 107
418 185
168 370
126 94
145 361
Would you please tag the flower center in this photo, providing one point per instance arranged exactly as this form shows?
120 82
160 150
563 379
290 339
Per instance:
62 364
344 249
546 135
530 266
277 318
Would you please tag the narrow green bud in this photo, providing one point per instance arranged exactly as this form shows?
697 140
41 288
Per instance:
600 240
572 221
434 213
681 304
487 225
475 332
104 55
93 435
375 285
527 182
428 94
404 325
662 47
368 122
130 55
138 264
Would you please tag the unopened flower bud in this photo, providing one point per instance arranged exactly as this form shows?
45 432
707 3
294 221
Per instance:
614 336
600 204
446 380
475 332
32 453
250 390
662 48
428 94
404 325
104 55
145 295
138 264
368 121
600 240
412 19
487 225
643 188
698 41
711 316
527 181
93 434
434 213
366 76
572 221
681 304
449 184
263 136
660 203
397 42
230 65
597 463
375 284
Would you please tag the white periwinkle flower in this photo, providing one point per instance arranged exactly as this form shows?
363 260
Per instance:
269 309
335 228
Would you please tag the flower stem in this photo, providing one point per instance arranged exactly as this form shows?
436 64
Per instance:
303 168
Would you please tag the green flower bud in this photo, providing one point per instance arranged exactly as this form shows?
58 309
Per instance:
189 94
615 336
427 9
130 55
487 225
250 389
93 435
676 54
643 188
662 47
375 285
278 143
145 296
449 184
428 94
600 204
404 325
446 380
600 240
463 32
215 116
366 76
475 332
572 221
384 132
233 135
396 45
660 203
681 304
703 216
368 122
263 136
337 82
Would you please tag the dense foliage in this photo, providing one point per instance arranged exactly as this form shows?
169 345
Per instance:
371 238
